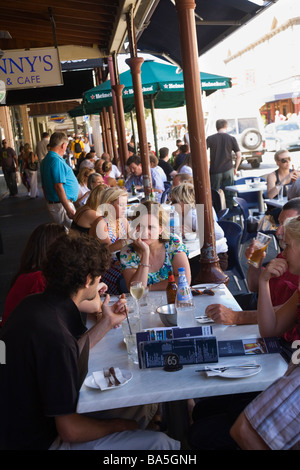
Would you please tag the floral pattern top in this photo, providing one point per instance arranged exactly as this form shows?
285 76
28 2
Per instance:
130 259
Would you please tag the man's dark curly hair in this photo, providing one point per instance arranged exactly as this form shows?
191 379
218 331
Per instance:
71 259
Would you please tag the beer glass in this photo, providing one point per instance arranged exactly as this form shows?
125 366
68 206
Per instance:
261 242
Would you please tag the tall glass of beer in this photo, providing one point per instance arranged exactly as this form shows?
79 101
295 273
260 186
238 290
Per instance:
261 242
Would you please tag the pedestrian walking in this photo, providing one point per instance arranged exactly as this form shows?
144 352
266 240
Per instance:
222 170
9 163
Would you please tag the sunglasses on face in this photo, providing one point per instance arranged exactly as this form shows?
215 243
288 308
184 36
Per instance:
284 160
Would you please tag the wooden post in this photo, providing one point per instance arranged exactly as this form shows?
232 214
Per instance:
102 121
209 267
113 135
119 112
108 133
135 64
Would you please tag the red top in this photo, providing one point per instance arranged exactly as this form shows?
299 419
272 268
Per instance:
26 284
282 288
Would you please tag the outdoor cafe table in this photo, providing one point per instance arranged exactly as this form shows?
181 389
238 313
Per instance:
246 188
276 202
156 385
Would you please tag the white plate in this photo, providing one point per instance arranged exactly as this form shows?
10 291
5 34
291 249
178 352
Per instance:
90 381
204 319
238 373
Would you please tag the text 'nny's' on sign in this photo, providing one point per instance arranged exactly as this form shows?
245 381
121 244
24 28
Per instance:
30 68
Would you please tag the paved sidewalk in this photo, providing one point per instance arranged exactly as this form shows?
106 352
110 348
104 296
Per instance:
18 218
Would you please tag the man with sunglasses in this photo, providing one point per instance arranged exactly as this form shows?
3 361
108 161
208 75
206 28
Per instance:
282 177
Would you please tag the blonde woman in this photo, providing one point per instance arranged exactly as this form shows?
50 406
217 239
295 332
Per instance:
84 191
107 178
103 217
113 230
276 322
154 251
87 216
183 198
30 165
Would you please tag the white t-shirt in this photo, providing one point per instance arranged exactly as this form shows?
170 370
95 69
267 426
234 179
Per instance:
161 173
186 170
115 172
191 224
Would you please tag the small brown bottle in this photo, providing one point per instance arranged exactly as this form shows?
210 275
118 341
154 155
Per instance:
171 289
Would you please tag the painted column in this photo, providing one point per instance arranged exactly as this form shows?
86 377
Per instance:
113 134
209 267
25 124
117 89
119 112
97 140
135 64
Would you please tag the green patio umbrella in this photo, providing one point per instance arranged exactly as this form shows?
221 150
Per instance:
162 83
163 88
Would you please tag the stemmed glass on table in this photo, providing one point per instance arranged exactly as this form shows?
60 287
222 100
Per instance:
132 325
137 292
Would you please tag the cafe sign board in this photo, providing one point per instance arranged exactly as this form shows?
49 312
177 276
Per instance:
30 68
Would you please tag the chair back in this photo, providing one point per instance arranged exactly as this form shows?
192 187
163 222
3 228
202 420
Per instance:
233 234
218 200
166 192
243 205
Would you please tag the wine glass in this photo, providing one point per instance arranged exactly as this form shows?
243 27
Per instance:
137 292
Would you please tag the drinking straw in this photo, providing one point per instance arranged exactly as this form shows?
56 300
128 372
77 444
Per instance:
126 310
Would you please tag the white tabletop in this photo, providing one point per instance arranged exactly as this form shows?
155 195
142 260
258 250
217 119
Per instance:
251 188
276 202
156 385
247 188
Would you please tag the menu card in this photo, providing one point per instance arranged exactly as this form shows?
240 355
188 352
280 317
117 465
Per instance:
191 345
241 347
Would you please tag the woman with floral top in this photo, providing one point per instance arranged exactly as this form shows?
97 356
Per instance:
154 252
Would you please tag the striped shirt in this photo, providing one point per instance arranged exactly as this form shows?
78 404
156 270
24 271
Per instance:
275 413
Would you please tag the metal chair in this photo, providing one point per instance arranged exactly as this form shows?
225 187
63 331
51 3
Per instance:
222 214
218 200
166 192
233 234
243 205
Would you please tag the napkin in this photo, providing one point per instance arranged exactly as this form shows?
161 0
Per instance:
103 382
100 380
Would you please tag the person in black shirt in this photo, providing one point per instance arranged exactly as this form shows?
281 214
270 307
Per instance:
47 348
222 170
164 163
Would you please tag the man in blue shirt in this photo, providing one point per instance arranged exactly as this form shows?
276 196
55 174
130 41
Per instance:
134 164
59 183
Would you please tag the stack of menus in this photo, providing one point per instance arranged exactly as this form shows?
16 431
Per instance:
192 346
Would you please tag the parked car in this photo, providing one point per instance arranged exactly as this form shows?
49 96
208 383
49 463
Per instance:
248 129
282 135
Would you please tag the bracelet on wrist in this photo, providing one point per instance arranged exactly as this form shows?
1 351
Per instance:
145 265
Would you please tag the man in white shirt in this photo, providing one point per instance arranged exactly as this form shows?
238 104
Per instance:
156 168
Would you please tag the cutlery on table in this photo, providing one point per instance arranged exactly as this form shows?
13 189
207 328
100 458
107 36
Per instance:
107 375
223 368
112 372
